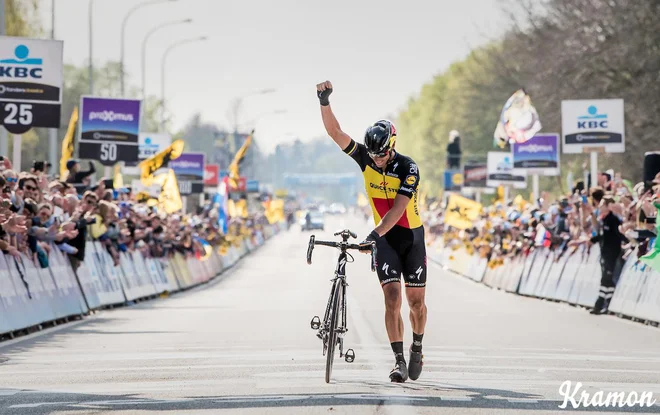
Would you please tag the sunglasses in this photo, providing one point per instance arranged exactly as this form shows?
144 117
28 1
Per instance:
377 155
30 188
11 179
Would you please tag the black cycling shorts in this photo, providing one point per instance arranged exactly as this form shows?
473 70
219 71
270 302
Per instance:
402 251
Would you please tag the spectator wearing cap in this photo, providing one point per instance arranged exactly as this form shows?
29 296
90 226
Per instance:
76 176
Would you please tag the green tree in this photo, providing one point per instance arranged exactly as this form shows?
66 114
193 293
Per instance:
556 50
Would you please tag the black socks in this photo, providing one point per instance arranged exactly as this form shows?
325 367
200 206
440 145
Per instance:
397 348
417 342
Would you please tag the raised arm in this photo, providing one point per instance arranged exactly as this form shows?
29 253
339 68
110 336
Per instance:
323 91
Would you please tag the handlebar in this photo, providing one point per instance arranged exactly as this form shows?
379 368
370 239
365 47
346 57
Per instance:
345 234
344 246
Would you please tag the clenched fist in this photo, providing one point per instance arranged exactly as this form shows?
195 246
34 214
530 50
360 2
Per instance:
323 91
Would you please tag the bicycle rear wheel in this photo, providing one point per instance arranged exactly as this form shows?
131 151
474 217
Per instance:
332 330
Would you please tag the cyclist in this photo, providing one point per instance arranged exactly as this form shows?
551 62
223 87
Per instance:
391 181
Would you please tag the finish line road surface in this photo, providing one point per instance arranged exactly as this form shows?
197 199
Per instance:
243 344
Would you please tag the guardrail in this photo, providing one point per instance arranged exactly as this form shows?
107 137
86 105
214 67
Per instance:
31 296
572 279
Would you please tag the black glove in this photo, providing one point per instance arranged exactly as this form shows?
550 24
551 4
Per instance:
370 239
324 96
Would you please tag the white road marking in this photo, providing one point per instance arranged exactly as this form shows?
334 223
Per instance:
365 334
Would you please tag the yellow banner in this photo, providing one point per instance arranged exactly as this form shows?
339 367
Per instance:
274 211
233 166
461 212
118 181
67 144
169 198
150 165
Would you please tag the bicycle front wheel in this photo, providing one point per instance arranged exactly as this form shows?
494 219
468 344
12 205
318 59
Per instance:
332 330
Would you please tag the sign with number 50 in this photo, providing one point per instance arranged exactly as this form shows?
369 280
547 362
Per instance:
109 129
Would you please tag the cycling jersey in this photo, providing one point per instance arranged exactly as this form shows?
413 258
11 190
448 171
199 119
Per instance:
401 176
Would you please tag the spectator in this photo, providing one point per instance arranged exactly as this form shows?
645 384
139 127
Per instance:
75 175
454 151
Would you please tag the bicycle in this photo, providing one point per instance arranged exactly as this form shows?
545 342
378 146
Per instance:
331 331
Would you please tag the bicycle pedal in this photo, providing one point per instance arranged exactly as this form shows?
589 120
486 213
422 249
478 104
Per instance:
315 323
349 356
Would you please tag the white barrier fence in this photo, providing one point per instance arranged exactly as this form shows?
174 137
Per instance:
574 279
31 295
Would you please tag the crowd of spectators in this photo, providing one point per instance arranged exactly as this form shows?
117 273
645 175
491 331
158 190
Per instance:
615 214
40 212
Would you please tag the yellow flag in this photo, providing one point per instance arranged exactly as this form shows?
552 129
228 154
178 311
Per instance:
169 198
118 181
275 211
233 166
150 165
67 143
500 194
520 202
241 208
461 212
231 208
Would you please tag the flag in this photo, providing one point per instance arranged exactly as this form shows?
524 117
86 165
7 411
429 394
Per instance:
205 246
233 166
150 165
274 211
652 258
220 200
241 208
67 144
518 121
170 198
461 212
118 181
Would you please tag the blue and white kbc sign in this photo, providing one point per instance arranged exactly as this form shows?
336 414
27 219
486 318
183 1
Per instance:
592 125
30 69
30 83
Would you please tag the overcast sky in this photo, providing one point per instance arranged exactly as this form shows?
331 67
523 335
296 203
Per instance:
377 53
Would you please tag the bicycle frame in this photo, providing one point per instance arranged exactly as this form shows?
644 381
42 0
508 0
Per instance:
331 328
339 278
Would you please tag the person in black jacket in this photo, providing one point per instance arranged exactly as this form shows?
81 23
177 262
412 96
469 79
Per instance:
454 151
76 176
610 239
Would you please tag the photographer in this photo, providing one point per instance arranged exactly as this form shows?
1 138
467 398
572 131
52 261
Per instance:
610 239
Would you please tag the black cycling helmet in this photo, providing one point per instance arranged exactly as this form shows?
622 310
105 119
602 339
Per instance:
380 137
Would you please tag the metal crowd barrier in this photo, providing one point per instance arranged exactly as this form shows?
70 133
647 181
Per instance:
31 296
573 279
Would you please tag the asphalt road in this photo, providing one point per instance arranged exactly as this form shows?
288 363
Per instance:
243 344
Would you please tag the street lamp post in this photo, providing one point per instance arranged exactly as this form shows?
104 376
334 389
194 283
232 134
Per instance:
253 122
52 132
239 102
144 49
162 73
91 56
123 35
